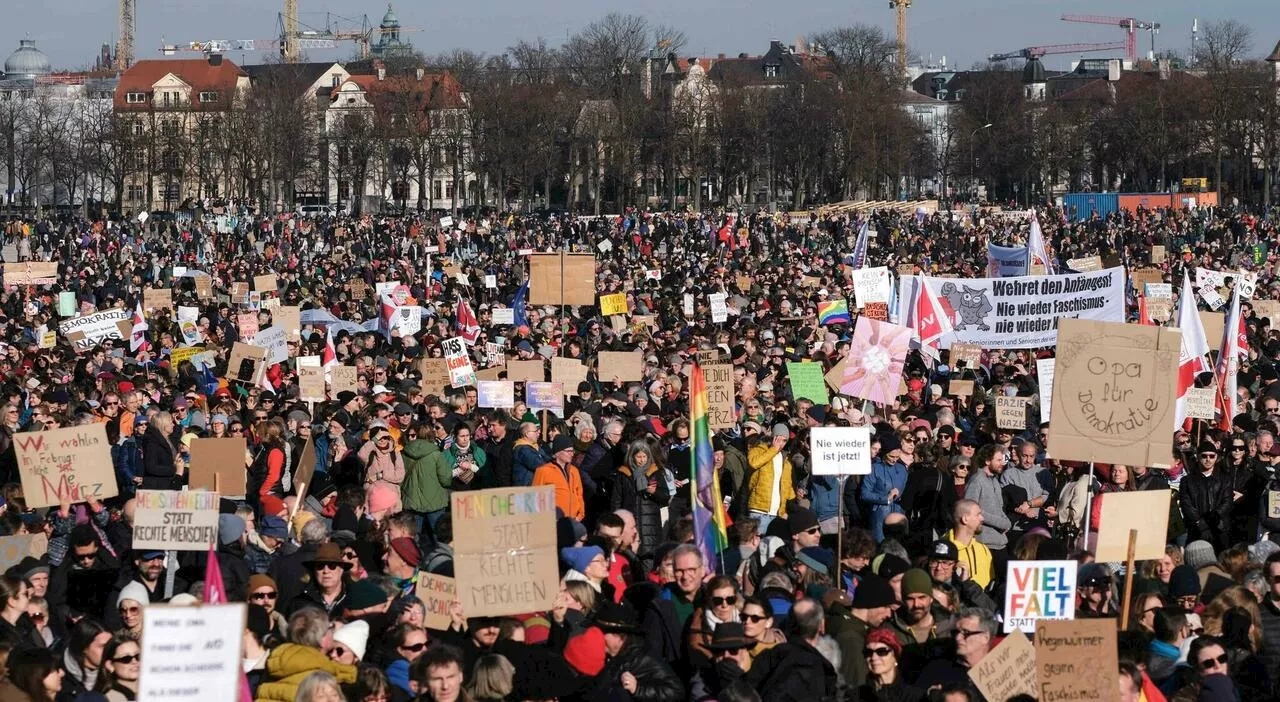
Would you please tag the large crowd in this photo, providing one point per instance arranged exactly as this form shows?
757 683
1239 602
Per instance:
886 586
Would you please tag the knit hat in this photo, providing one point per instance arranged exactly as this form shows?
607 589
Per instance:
782 431
382 497
801 519
888 566
355 636
1183 582
135 591
260 580
889 442
363 594
817 558
230 528
579 557
885 637
561 443
917 582
1199 554
585 652
873 591
273 505
407 550
273 526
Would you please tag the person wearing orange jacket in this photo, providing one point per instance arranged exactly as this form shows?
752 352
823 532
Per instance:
564 476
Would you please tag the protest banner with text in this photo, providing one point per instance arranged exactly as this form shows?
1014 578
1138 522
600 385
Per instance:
169 520
505 558
73 462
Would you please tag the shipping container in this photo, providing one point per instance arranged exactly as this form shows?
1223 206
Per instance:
1148 201
1080 206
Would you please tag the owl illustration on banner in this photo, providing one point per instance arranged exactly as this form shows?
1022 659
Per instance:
873 368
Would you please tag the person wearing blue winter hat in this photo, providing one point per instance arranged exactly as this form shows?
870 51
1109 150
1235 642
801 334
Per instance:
585 563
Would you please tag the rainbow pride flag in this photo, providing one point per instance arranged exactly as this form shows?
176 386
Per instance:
834 312
710 522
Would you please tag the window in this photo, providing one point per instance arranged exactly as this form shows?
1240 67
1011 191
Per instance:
136 128
771 70
437 190
344 191
135 192
166 99
208 96
448 188
134 98
169 127
336 79
170 161
170 192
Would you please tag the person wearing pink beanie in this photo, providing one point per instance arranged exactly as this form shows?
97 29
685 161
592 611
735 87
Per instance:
381 499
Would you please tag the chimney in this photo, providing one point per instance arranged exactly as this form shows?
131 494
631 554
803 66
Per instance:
1164 68
215 59
1113 70
420 73
742 55
381 69
802 47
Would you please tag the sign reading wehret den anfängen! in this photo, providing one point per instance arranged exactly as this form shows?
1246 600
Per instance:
504 543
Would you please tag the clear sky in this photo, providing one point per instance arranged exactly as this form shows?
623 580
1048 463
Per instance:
965 31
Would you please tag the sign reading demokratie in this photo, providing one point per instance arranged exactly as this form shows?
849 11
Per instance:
92 329
167 520
1021 312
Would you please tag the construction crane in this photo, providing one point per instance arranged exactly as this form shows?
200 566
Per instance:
1130 26
1037 51
124 44
223 46
901 6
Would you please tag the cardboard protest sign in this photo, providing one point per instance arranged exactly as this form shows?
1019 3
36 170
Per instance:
969 354
626 366
191 653
435 376
264 283
311 384
1036 590
496 393
1087 264
720 394
89 330
247 363
491 374
30 273
505 558
157 299
461 372
568 372
247 325
556 279
873 369
288 317
437 593
613 304
239 292
223 458
15 548
1113 392
169 520
961 388
1269 309
1157 254
1076 659
1147 511
1008 670
204 287
528 371
1141 277
544 396
806 382
1213 323
306 469
74 462
1200 402
840 450
1044 374
342 379
1011 412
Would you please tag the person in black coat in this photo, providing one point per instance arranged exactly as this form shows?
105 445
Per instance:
159 465
630 671
1206 498
639 487
795 670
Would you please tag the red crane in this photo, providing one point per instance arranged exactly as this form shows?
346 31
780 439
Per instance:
1128 24
1037 51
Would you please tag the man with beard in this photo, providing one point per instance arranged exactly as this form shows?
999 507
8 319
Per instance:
80 583
986 489
918 621
849 623
149 570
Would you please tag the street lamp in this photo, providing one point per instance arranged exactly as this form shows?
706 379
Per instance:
973 158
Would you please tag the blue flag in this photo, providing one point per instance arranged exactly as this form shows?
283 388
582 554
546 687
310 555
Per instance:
517 304
860 248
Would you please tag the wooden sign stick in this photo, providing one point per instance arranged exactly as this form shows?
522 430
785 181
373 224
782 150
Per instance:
1128 581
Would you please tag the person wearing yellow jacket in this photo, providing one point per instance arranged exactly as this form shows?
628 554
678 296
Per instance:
769 486
289 664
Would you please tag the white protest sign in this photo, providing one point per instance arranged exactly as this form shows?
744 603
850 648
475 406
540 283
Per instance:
1044 373
1200 402
408 319
688 304
461 372
871 285
385 288
1160 291
191 654
491 282
276 341
503 315
168 520
446 221
1211 297
605 246
1038 590
840 450
719 310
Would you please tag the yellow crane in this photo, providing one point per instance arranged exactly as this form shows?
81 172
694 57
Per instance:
901 6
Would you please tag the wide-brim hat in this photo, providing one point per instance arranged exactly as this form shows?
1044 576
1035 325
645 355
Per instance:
612 618
729 635
327 553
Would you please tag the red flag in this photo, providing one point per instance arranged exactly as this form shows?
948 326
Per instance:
329 357
467 324
930 320
216 593
1143 317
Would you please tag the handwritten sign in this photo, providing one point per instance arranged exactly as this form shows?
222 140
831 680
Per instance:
437 593
168 520
719 380
969 354
342 379
1200 402
264 283
223 458
461 372
1113 392
626 366
74 462
191 654
30 273
807 383
1011 412
613 304
840 450
505 550
1037 590
157 299
92 329
960 388
1044 375
1076 659
1008 670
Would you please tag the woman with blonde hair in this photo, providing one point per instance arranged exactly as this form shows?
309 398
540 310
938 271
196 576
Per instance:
1157 571
319 687
162 465
493 679
1234 596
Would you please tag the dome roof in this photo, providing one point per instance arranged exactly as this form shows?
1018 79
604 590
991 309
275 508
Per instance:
390 19
1033 72
27 61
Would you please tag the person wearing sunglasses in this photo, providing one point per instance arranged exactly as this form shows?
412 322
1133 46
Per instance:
884 679
121 669
1205 496
410 642
327 587
349 642
1208 658
262 591
720 602
129 605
